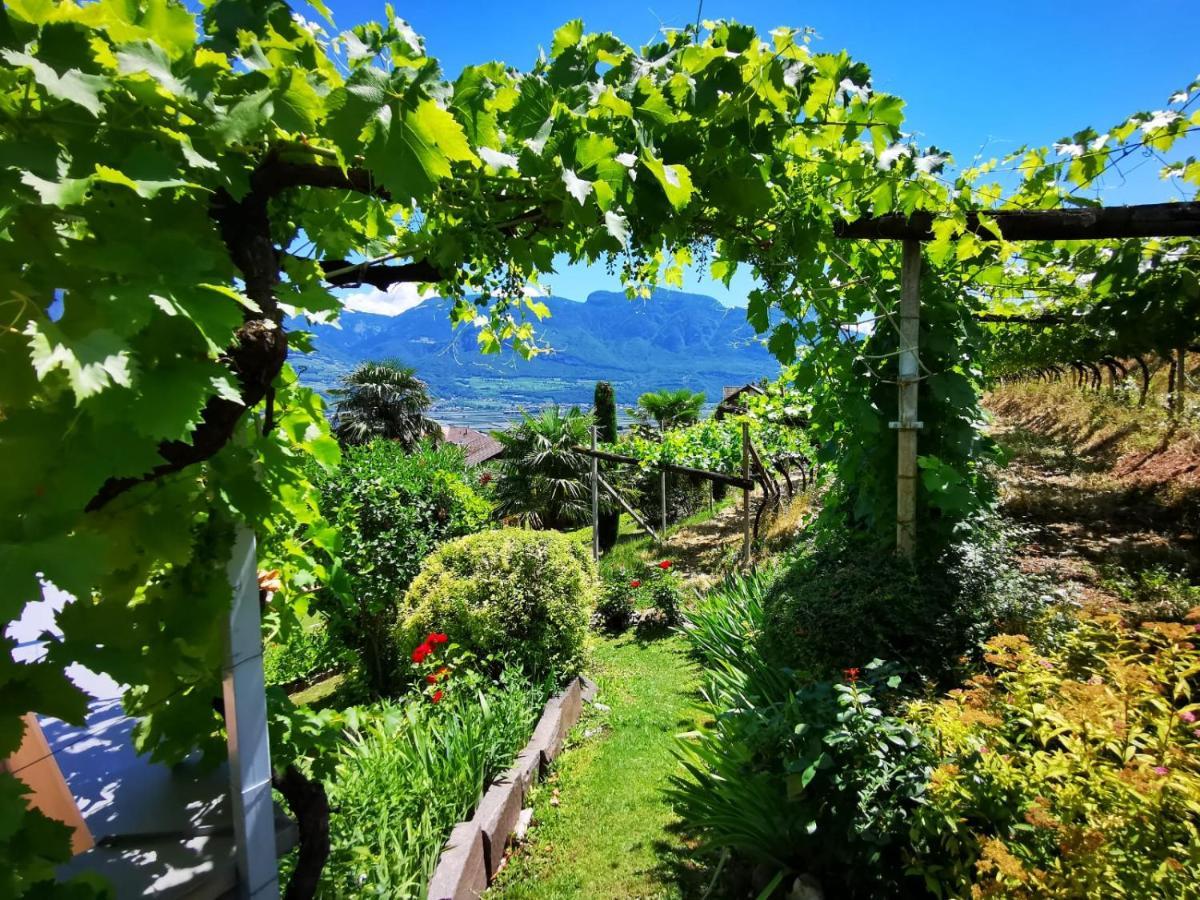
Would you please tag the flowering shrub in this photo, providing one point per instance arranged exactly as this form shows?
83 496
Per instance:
794 775
390 510
511 597
1074 774
615 608
663 590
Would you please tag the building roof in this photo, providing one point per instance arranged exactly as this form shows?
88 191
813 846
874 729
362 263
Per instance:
731 391
478 447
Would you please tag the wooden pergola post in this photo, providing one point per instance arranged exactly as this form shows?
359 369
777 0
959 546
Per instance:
908 381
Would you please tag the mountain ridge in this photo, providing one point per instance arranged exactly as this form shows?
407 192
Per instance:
673 339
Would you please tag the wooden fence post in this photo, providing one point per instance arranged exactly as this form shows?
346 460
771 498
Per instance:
908 382
663 488
595 501
745 494
1179 378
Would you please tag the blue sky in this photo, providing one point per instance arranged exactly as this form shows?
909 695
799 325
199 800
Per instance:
994 75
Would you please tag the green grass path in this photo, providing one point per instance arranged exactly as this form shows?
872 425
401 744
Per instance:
613 835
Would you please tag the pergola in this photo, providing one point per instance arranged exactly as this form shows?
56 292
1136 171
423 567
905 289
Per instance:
1098 223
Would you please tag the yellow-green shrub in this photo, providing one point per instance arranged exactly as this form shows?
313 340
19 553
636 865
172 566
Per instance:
518 597
1070 775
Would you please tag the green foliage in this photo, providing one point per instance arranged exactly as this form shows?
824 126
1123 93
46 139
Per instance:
605 413
796 775
834 608
778 430
670 408
519 599
543 480
1155 593
383 400
660 589
163 169
408 771
1111 301
308 648
615 606
391 509
1073 773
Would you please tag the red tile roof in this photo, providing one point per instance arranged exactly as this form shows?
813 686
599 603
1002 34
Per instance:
479 447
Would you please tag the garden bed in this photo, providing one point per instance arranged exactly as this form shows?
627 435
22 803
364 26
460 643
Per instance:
475 851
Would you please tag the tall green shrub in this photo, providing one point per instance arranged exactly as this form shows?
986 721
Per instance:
522 598
391 509
605 404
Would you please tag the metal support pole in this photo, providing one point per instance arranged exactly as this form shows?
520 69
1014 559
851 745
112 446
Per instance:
906 439
595 500
745 494
246 728
662 486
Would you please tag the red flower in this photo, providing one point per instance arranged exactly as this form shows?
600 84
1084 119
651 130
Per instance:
852 674
422 651
437 697
436 637
665 564
435 677
431 678
635 583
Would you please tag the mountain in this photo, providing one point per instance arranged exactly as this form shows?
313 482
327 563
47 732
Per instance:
674 339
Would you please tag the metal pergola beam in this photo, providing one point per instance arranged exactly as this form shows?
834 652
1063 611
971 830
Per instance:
1084 224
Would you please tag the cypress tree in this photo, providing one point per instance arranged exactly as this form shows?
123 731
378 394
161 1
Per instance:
606 432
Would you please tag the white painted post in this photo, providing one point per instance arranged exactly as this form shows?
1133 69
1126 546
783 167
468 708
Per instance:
595 499
246 725
908 381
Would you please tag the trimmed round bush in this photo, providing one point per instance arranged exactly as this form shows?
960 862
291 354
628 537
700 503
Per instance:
521 598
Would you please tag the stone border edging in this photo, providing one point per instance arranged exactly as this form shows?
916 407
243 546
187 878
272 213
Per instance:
473 854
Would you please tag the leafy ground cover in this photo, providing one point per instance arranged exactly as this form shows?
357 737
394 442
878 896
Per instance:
407 770
613 833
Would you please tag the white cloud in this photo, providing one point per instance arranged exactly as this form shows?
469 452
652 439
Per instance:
397 299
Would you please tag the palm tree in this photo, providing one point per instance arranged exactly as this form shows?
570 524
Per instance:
383 400
543 479
670 409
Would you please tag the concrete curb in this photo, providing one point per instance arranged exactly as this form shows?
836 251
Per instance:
475 850
461 873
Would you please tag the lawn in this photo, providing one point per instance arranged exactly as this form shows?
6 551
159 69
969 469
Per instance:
613 834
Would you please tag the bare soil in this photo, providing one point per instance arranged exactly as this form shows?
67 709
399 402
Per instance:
1091 508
